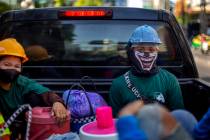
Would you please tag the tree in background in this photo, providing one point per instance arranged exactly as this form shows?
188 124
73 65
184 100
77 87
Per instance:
180 12
89 3
4 7
58 3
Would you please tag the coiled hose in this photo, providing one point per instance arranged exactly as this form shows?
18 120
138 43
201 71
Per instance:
14 116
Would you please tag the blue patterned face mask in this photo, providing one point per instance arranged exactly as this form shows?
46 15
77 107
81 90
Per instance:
146 59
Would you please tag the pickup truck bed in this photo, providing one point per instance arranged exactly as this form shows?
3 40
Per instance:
90 41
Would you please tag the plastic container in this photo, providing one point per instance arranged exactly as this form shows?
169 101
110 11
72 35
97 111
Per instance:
101 129
43 124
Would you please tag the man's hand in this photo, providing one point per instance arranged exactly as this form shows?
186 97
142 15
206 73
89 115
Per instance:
59 111
131 108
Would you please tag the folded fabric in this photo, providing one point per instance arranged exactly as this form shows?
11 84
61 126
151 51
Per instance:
202 129
66 136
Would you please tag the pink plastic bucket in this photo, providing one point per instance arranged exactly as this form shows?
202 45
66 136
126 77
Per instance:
101 129
43 124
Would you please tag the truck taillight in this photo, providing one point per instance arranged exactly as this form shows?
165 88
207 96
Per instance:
85 14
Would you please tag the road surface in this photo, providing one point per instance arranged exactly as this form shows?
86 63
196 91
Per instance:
203 64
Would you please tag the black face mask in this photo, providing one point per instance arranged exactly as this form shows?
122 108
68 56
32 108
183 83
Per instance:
137 68
8 75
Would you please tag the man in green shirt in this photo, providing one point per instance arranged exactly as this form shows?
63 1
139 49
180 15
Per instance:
145 80
16 90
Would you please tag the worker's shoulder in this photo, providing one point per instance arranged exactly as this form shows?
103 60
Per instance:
23 80
163 73
119 80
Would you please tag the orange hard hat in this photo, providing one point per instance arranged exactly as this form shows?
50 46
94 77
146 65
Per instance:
10 46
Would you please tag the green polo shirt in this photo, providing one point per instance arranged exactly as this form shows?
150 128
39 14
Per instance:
12 99
163 86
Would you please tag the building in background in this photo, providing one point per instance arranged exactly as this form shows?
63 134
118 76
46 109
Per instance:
150 4
195 6
121 3
180 11
195 13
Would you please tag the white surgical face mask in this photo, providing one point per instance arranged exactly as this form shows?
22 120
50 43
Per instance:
146 59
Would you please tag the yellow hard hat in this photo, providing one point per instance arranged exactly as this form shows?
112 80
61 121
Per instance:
10 46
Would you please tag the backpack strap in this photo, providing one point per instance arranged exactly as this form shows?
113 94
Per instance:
135 90
88 78
130 86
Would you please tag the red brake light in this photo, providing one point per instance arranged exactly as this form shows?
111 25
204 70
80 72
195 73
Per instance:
85 13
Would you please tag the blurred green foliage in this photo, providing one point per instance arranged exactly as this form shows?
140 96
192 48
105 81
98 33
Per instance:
88 3
58 3
4 7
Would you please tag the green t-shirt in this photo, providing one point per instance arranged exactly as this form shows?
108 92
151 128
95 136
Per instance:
162 86
12 99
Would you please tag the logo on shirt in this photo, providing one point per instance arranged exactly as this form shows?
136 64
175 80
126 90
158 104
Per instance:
159 97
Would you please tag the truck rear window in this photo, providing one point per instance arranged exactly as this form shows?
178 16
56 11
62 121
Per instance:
85 47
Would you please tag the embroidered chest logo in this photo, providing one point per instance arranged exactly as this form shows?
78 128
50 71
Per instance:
159 97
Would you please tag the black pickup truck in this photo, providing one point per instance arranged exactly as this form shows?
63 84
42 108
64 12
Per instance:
65 44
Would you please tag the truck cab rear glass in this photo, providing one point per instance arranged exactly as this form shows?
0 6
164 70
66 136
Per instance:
82 46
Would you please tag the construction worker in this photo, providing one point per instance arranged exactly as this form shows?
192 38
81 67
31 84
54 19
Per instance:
145 80
16 89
